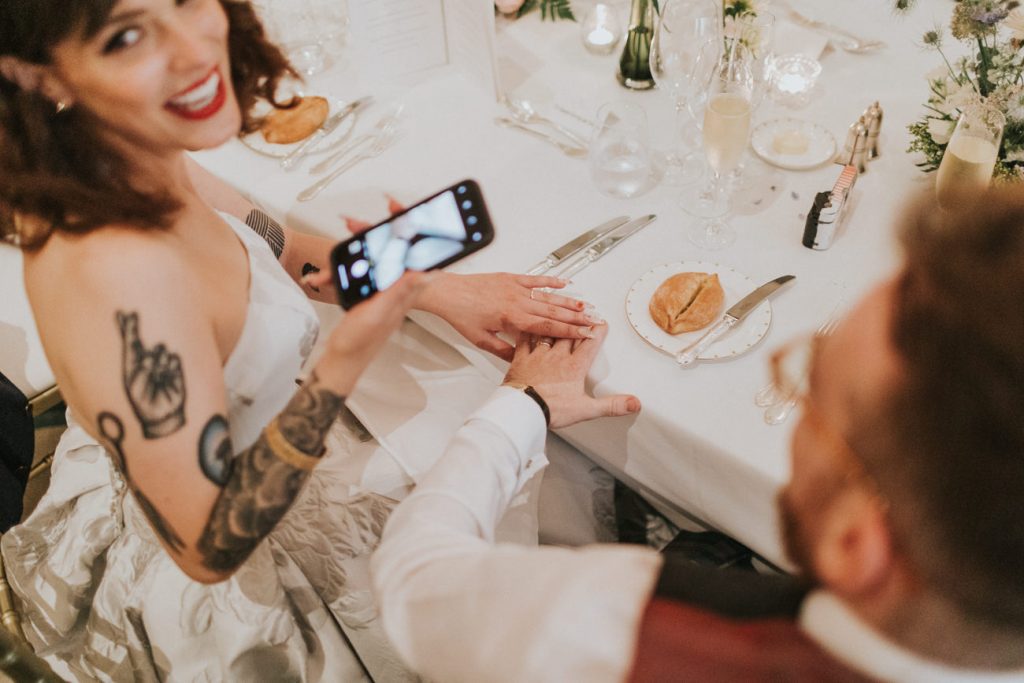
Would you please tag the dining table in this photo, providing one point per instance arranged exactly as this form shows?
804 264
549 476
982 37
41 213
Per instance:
700 449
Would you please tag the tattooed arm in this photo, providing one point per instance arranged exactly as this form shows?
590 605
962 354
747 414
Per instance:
143 371
299 253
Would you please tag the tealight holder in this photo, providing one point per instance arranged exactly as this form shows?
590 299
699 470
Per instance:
793 79
601 29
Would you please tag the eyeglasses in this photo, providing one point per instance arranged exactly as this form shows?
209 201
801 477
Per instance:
791 368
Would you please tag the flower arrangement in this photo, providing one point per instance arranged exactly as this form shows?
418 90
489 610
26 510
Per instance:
992 72
549 9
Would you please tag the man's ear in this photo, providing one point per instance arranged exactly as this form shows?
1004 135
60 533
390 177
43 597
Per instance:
35 77
854 553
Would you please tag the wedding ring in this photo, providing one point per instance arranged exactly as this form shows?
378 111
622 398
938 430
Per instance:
531 294
546 341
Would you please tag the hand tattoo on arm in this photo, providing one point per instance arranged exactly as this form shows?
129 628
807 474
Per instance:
153 380
267 228
262 486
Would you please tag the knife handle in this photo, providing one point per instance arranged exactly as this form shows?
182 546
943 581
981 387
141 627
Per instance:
576 266
301 150
688 356
541 267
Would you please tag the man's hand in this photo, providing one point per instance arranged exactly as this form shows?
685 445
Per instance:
557 370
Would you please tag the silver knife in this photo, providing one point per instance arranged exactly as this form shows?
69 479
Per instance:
607 244
325 129
688 356
574 245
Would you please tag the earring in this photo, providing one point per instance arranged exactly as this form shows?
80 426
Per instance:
62 105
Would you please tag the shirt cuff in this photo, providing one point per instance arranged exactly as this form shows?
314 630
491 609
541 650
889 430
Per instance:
521 420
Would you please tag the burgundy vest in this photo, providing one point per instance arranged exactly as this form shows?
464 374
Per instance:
682 643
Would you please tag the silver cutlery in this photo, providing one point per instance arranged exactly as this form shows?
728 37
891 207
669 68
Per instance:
524 112
579 117
778 413
387 129
601 248
352 146
568 149
576 244
325 129
688 356
769 394
841 37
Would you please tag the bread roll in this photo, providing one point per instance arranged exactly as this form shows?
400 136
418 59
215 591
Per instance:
686 302
285 126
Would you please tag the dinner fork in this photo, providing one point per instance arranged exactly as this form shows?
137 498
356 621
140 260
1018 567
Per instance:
524 112
359 141
841 37
381 141
778 412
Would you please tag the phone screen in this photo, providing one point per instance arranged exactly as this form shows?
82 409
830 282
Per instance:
433 233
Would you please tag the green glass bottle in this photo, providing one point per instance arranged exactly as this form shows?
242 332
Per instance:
635 63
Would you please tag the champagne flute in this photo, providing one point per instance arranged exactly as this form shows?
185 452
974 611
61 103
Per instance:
684 50
971 154
726 129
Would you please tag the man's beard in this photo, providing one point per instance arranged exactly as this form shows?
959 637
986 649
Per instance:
794 538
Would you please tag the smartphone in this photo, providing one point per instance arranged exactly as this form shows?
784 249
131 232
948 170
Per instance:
437 231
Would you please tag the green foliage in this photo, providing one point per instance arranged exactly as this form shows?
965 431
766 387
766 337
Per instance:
549 9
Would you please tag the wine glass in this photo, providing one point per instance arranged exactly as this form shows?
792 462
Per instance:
971 154
684 50
726 129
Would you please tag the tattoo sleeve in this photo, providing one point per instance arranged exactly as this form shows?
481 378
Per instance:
267 228
261 485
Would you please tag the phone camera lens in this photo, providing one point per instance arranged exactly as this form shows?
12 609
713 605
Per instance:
477 236
359 268
462 189
355 247
471 220
467 205
365 290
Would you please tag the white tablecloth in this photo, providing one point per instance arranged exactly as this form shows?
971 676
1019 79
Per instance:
700 445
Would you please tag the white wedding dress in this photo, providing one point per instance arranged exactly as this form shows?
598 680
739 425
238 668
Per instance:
103 601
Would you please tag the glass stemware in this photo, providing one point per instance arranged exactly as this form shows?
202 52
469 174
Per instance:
684 51
726 129
620 163
970 155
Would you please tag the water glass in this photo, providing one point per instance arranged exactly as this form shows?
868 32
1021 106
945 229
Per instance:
970 155
620 160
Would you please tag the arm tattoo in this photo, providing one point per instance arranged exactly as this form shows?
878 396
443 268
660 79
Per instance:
267 228
215 451
261 486
153 380
112 430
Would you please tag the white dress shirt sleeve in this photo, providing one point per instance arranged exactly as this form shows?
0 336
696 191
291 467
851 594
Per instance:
458 608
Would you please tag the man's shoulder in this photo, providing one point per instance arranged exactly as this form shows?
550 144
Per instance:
678 641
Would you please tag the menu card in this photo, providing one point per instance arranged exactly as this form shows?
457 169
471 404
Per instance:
406 40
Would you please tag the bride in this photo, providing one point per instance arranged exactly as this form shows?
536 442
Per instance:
199 524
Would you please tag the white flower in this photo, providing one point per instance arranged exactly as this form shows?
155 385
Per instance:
1015 22
962 95
1015 155
938 75
940 130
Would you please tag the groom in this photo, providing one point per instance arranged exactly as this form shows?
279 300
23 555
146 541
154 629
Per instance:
904 509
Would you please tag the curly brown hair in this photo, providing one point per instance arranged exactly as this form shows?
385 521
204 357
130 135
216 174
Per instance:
946 446
56 172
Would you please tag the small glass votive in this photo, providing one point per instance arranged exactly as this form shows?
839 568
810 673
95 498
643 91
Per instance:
793 79
601 29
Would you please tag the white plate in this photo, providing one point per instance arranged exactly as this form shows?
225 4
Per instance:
736 285
821 144
256 142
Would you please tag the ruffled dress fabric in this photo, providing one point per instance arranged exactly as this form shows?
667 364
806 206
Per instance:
102 600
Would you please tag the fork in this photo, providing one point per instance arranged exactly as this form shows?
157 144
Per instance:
524 112
778 412
381 142
841 37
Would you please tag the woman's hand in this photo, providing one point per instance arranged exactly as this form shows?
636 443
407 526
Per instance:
364 329
481 306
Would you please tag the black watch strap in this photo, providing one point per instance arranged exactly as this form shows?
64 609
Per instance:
532 393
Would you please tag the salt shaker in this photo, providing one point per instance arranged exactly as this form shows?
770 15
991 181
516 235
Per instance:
855 151
873 121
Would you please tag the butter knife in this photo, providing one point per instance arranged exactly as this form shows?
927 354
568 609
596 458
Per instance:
574 245
325 129
602 247
688 356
